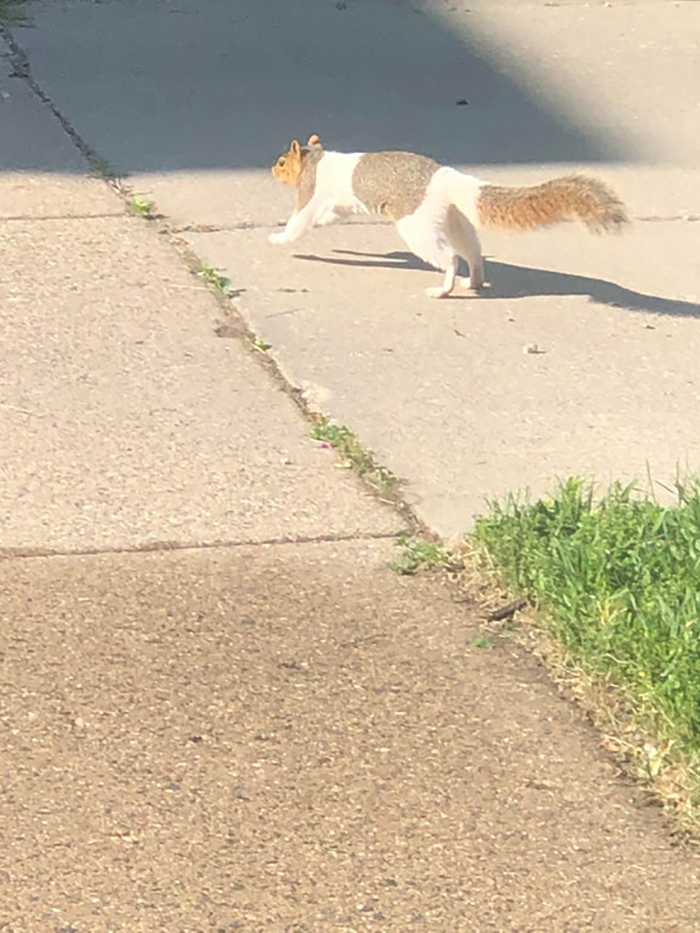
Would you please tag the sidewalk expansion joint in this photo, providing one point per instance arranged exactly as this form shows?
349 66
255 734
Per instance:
665 218
252 225
29 553
24 218
22 71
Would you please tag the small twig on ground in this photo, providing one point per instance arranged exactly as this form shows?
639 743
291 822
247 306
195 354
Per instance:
505 612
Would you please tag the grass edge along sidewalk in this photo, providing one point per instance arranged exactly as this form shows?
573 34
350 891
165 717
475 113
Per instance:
614 586
615 581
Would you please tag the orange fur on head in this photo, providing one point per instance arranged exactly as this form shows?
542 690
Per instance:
289 165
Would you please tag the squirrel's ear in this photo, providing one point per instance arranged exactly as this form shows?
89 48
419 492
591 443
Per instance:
294 147
314 141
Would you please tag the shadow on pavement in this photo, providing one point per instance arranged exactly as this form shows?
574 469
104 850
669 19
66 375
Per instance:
512 281
155 87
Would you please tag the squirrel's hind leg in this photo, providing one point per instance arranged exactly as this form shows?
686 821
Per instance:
465 241
431 244
447 287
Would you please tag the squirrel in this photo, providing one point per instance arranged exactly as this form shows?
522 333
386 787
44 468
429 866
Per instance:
437 210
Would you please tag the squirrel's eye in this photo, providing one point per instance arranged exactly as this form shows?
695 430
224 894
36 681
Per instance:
280 162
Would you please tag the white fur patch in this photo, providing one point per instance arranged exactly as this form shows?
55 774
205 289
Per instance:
425 235
442 227
456 188
334 181
425 230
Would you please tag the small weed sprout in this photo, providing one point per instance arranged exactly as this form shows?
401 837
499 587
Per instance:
481 641
355 456
220 282
141 207
420 554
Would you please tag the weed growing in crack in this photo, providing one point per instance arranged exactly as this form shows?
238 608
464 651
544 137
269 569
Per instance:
141 207
355 456
220 282
420 554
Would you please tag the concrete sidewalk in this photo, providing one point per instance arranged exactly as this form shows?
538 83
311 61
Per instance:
196 103
220 710
126 422
289 738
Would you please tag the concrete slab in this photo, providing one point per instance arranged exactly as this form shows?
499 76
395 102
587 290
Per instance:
46 196
211 85
26 167
125 421
291 738
466 413
583 61
579 62
546 84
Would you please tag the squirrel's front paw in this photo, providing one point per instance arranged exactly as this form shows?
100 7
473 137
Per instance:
279 237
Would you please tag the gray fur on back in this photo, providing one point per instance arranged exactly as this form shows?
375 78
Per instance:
307 182
392 184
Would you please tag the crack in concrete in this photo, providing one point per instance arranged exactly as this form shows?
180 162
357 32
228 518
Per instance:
22 70
253 225
42 217
19 553
249 225
661 218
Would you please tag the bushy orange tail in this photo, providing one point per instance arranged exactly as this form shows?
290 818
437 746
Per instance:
572 197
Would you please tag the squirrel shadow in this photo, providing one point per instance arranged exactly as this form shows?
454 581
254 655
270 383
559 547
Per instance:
511 281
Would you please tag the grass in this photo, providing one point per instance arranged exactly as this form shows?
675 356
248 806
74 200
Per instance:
481 641
355 456
616 581
141 207
420 554
11 11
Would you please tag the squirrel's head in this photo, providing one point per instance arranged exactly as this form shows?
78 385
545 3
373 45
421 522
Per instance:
290 164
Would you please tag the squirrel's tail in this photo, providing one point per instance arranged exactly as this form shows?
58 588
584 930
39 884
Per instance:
572 197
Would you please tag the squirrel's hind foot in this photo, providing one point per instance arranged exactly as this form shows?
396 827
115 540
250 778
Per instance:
438 291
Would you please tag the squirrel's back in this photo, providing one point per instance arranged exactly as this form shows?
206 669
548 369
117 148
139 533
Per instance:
393 183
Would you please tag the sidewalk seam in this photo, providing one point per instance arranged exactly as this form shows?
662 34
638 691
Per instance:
21 64
24 218
19 553
252 225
